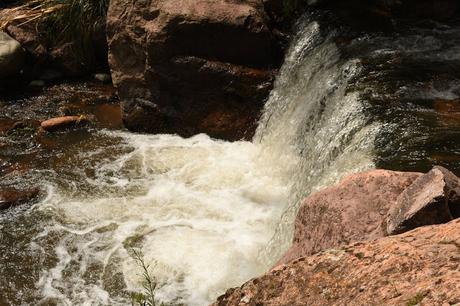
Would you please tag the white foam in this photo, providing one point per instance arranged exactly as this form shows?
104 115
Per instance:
207 214
203 208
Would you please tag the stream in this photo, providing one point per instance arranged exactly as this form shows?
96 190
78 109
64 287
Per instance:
208 214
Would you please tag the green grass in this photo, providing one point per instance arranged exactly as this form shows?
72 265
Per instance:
74 21
68 20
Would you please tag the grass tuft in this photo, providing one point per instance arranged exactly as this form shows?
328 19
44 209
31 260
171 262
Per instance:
150 283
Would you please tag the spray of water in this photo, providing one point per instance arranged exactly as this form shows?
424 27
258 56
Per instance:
210 214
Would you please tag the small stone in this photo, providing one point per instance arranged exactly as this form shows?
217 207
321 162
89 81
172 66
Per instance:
37 83
13 197
60 123
103 77
50 74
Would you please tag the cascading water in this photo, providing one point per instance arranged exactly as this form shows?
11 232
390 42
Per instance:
312 121
207 214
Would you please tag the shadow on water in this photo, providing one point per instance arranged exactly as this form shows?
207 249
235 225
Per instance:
23 147
410 82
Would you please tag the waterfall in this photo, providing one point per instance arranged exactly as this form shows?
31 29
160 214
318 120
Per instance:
312 124
207 214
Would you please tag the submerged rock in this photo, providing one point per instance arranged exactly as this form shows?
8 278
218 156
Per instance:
11 56
420 267
6 124
448 112
189 67
353 210
50 75
37 83
14 197
64 122
23 127
103 77
433 198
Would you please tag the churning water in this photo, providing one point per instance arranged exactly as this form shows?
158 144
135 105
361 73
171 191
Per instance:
207 214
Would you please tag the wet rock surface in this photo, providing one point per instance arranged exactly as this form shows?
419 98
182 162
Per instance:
11 56
433 198
13 197
340 255
418 267
351 211
192 67
60 123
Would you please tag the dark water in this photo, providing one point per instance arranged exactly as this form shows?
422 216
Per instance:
28 157
410 81
23 148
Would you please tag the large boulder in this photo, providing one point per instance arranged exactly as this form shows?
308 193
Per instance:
420 267
192 66
353 210
433 198
11 56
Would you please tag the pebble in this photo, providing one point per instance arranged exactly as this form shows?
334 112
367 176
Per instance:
103 77
37 83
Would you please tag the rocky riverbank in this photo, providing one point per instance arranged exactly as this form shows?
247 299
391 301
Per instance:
40 126
341 254
420 267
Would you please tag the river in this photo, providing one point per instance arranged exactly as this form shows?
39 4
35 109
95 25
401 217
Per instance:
208 214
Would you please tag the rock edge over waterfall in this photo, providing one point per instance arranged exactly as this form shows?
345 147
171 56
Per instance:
192 66
340 255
